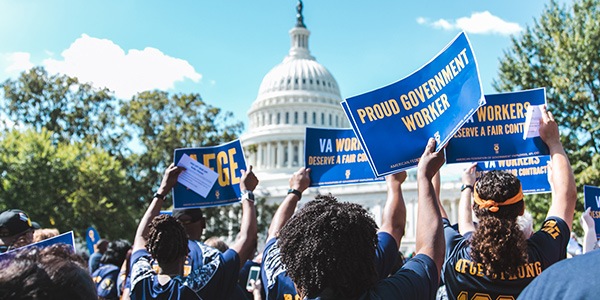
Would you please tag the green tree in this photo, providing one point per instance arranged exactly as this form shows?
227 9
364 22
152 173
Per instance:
66 185
561 51
69 109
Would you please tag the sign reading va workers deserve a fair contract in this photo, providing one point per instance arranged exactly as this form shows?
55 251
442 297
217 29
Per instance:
496 131
228 161
591 194
335 156
531 171
393 123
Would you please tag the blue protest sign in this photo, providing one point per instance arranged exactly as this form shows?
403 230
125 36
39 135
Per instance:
228 161
591 194
91 238
65 238
335 156
394 122
496 131
531 171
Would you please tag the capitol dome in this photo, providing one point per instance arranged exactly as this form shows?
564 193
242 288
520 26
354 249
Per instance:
296 93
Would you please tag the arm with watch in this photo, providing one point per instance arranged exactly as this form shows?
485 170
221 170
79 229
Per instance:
299 182
465 207
168 182
245 244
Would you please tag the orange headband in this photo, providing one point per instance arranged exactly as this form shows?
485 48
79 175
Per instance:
493 205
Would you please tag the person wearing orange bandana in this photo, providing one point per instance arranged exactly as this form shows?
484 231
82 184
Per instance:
494 259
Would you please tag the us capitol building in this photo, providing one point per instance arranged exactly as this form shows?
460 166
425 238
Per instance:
300 92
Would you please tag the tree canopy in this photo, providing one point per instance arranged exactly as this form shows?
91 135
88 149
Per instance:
561 51
73 155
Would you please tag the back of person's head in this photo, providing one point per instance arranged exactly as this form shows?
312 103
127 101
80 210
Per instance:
53 272
499 243
217 243
44 233
330 244
116 252
167 241
101 246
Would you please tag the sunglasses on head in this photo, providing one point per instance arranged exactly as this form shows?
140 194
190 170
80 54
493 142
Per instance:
4 248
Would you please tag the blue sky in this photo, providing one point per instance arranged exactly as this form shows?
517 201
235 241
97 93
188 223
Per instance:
222 49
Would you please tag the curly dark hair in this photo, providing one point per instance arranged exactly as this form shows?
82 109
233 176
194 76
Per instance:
53 272
330 244
116 252
498 243
167 240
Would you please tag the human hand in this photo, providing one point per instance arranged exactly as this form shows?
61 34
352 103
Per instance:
300 180
430 162
256 288
469 175
549 129
395 180
169 179
249 181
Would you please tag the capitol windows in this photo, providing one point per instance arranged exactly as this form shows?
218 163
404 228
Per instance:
322 118
287 118
330 120
278 118
337 121
295 117
305 117
295 161
314 118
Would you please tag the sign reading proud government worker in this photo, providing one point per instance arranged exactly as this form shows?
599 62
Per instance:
335 156
227 160
531 171
591 194
496 131
393 123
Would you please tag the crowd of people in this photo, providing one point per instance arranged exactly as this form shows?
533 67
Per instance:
328 249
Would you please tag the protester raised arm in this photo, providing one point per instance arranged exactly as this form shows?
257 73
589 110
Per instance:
430 238
465 207
168 182
394 212
564 191
299 182
247 238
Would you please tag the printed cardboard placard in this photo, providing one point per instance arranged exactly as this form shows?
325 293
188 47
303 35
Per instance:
228 161
335 157
394 123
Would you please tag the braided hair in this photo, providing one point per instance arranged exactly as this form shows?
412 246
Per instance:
167 240
330 244
499 243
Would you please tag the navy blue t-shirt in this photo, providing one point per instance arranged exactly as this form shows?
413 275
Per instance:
279 286
105 278
465 278
217 272
145 285
573 278
417 279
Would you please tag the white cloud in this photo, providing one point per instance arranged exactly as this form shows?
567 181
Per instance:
17 62
106 64
477 23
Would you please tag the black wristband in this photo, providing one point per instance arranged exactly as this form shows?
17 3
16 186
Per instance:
159 196
248 195
295 192
466 186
